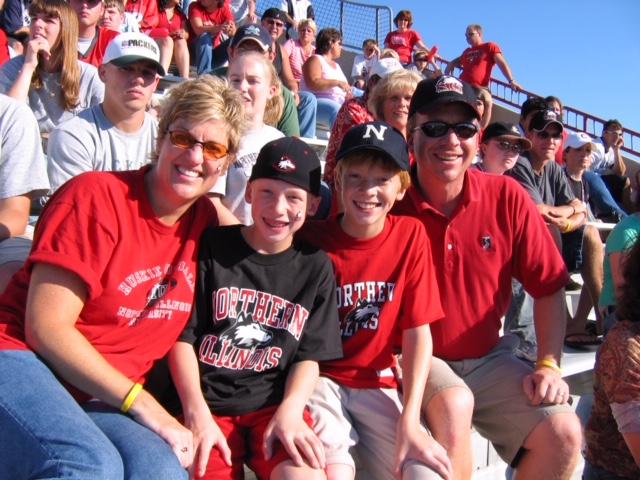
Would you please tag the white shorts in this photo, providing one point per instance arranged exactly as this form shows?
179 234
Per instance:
364 419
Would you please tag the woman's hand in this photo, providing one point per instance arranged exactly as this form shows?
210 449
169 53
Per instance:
35 46
147 411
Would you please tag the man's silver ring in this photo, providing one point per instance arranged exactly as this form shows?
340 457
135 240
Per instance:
184 450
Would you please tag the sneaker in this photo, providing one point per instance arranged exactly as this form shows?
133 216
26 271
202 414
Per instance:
527 351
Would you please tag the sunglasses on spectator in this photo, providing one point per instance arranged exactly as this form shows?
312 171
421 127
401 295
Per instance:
184 140
464 130
506 146
617 134
545 135
423 59
272 22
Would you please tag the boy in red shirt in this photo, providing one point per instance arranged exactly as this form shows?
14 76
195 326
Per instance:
387 292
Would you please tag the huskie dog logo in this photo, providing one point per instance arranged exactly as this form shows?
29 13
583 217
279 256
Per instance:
245 333
448 84
285 164
159 290
362 312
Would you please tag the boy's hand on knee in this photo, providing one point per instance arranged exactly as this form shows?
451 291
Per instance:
206 436
417 444
296 437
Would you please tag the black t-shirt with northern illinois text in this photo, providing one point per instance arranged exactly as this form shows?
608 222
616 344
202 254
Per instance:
255 315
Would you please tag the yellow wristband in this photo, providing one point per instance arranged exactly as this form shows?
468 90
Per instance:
550 364
568 229
131 396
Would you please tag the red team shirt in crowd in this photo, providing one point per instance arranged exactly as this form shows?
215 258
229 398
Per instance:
403 43
95 54
218 17
477 63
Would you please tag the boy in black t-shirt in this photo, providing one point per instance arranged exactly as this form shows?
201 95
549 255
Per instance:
264 316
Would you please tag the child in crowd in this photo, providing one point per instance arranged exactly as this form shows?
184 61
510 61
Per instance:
387 292
364 62
254 76
115 18
264 316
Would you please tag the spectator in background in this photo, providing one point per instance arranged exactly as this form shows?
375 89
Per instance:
478 59
364 62
301 48
4 47
485 107
145 12
92 38
115 18
256 38
579 243
404 40
117 134
354 111
15 22
24 177
322 76
254 76
49 76
423 65
274 20
209 19
554 103
389 101
243 11
389 53
296 10
619 242
500 148
612 432
609 164
174 44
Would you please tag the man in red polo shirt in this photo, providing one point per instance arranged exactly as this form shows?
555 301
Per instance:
484 230
92 39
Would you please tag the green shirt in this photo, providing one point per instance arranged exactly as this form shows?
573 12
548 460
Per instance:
621 239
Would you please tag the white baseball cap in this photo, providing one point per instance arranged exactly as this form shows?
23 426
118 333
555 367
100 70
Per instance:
130 47
385 66
577 140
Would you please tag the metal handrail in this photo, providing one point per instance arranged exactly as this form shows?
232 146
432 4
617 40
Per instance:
574 119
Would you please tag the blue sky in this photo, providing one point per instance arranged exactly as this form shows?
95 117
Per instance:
586 52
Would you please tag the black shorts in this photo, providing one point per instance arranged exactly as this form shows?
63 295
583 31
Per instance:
572 249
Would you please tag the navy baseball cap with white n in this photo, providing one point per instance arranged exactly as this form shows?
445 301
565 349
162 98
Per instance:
378 136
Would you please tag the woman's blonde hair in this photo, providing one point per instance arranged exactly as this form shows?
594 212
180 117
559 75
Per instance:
308 22
202 99
66 45
389 53
376 158
404 81
275 105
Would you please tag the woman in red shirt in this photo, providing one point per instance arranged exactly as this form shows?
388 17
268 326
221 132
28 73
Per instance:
404 40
